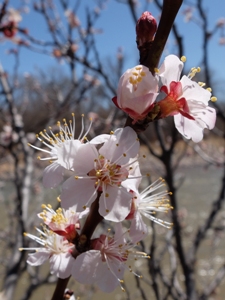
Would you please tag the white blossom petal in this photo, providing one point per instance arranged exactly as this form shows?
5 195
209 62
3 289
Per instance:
53 175
87 267
171 69
61 265
138 229
116 206
38 258
77 192
122 145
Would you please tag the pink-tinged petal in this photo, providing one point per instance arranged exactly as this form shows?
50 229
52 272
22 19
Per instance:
176 89
188 128
170 69
148 84
61 264
77 192
136 93
138 229
114 100
140 106
38 258
126 89
164 89
84 159
116 206
87 267
53 175
193 91
122 145
100 139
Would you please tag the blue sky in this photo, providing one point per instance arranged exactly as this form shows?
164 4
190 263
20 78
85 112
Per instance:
119 31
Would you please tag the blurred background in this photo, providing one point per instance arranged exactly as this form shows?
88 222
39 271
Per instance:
61 56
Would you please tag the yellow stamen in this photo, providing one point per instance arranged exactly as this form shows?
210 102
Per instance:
213 99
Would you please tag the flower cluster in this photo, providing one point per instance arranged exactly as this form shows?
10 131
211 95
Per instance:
106 169
139 92
101 178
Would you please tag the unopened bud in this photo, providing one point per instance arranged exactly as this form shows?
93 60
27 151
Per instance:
145 28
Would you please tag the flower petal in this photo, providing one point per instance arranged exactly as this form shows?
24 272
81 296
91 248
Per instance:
122 145
100 139
53 175
38 258
170 69
61 264
87 267
116 206
84 159
138 229
77 192
193 91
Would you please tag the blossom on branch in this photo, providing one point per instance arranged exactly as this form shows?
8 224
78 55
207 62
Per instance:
105 263
62 150
106 172
54 248
137 92
63 222
185 99
147 204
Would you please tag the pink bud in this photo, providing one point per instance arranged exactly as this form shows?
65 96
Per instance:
145 28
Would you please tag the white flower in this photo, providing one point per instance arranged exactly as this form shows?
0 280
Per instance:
137 91
54 248
105 264
63 222
62 150
185 99
106 171
147 203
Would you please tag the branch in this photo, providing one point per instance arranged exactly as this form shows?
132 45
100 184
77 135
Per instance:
169 12
214 284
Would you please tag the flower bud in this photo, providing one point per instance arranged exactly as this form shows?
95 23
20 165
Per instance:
145 28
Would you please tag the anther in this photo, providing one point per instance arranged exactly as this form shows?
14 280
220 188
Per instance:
213 99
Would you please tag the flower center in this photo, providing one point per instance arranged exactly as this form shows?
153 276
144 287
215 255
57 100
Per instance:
108 173
59 218
173 103
136 77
